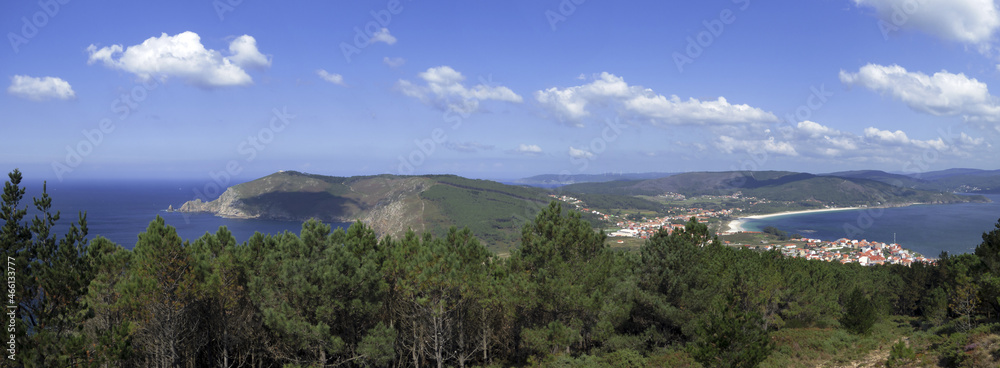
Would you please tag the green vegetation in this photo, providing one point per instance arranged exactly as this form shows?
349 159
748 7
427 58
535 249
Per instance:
779 234
805 190
390 204
860 312
608 202
900 355
952 180
563 297
494 212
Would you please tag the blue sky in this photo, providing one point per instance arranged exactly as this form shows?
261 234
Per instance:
234 90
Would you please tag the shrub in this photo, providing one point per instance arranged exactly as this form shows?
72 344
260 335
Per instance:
860 313
900 355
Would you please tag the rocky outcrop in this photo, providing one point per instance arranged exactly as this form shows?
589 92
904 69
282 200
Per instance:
401 208
389 205
227 205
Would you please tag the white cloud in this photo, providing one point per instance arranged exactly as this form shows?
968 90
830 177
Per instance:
770 145
183 56
383 35
940 94
809 136
967 140
579 153
245 54
675 111
810 140
394 62
443 88
330 77
966 21
40 89
564 103
814 129
572 104
528 149
899 137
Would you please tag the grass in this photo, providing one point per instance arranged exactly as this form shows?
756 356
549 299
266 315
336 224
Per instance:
630 244
829 347
754 239
689 202
494 213
933 346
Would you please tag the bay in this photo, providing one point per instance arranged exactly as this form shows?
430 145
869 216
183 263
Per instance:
120 210
926 229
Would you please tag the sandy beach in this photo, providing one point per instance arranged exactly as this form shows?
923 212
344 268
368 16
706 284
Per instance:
736 225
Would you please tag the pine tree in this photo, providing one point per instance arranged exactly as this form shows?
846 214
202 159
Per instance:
49 276
228 316
60 275
161 289
860 313
319 293
110 326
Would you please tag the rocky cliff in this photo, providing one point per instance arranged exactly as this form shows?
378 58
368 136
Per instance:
389 204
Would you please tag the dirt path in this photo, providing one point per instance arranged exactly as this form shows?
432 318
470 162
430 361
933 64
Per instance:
875 358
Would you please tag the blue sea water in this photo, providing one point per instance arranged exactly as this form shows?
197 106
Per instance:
926 229
120 210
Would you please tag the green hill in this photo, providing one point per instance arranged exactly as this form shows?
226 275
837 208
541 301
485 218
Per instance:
777 186
965 180
882 176
951 180
390 204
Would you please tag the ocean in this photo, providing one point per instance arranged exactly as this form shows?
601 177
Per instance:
926 229
120 210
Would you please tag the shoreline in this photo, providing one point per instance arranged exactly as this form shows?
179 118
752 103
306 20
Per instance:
736 226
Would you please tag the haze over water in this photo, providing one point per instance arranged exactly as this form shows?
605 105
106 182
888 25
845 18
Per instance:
926 229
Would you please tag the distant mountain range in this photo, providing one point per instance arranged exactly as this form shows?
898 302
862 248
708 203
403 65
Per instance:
855 188
495 212
951 180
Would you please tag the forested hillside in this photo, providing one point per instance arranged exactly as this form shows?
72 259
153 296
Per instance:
777 186
325 298
951 180
389 204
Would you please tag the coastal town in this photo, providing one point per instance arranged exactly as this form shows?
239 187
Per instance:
843 250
